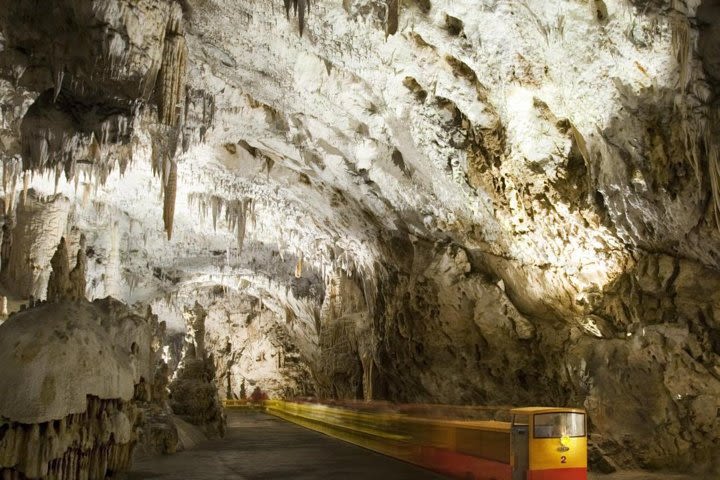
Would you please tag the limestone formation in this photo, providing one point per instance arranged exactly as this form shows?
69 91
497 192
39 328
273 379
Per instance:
59 282
76 278
65 284
171 101
158 432
252 347
171 77
193 392
94 444
6 247
69 379
84 124
299 9
39 225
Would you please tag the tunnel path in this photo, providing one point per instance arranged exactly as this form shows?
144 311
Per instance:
261 447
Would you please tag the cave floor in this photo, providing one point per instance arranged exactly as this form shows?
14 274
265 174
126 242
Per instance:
259 446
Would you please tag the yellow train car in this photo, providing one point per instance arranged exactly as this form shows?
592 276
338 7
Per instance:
549 444
540 443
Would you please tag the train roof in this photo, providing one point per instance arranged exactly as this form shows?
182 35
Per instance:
535 410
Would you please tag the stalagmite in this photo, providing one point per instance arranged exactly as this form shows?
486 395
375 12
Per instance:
59 282
5 247
77 275
26 184
193 391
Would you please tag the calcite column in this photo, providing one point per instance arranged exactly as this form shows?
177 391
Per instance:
39 226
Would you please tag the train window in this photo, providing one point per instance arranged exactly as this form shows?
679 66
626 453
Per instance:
521 420
558 425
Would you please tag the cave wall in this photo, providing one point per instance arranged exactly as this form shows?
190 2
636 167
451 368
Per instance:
644 362
251 345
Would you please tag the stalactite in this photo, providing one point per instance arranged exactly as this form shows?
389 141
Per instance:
171 91
11 169
170 193
391 21
92 445
237 213
300 8
59 75
171 80
241 223
299 266
164 147
81 138
216 205
253 218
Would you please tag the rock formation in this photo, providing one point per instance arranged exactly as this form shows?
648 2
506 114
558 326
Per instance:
65 284
193 392
158 433
251 346
38 228
70 371
83 386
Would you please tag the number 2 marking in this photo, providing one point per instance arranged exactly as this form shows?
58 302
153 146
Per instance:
563 459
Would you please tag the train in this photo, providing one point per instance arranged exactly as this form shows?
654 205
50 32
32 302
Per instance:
538 443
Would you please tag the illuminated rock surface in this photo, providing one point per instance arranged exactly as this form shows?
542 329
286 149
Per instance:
456 201
68 383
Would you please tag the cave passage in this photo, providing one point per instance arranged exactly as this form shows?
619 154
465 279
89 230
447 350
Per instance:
259 446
